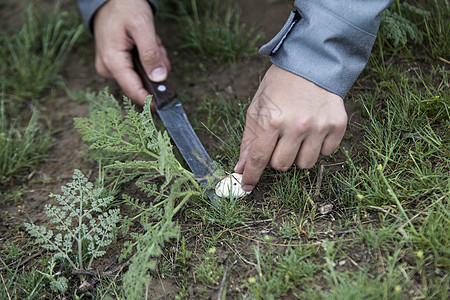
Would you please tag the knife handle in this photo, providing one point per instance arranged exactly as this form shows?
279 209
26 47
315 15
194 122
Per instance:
162 94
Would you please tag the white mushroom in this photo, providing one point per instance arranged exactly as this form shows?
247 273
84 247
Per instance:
230 186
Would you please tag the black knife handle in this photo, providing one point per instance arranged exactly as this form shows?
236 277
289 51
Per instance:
162 94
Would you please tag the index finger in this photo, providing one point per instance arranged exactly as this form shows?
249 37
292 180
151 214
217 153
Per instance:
125 75
259 154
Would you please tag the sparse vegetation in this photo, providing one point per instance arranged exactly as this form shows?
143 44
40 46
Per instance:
32 58
212 32
23 147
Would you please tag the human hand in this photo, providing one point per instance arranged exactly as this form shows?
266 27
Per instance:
119 26
290 120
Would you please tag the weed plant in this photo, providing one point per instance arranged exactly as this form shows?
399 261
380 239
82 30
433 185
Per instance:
218 35
85 225
208 270
135 134
32 58
401 23
21 148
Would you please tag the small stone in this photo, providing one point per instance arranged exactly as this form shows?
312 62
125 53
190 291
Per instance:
231 186
326 209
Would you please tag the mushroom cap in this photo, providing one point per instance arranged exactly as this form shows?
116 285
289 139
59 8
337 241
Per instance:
230 186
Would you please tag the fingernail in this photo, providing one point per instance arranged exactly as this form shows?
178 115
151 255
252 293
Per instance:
158 74
248 187
238 166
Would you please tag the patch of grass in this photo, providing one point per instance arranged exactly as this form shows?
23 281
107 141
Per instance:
22 148
173 9
211 113
278 273
226 213
433 234
32 58
14 194
217 35
404 176
362 286
19 281
437 28
289 189
407 136
234 122
23 283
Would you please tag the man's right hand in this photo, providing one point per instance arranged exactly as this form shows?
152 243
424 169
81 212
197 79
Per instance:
119 26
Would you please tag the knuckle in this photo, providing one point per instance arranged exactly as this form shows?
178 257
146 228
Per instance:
275 122
340 123
279 166
251 113
151 55
257 160
301 127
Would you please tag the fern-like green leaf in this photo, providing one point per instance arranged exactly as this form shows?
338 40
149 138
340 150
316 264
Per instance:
81 217
399 26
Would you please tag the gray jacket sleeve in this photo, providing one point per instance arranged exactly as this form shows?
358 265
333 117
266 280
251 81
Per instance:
89 7
327 41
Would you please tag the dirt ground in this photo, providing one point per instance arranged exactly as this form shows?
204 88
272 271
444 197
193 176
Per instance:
238 82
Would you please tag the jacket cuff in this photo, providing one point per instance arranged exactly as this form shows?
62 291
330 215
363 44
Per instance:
88 8
326 48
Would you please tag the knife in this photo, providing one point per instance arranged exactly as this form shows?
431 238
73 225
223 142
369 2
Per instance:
171 112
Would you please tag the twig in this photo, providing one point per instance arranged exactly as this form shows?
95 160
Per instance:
444 60
337 232
357 265
385 211
247 224
313 204
319 182
110 263
240 256
111 272
114 279
222 283
4 284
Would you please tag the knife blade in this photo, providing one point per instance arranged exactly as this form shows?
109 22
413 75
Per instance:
171 112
